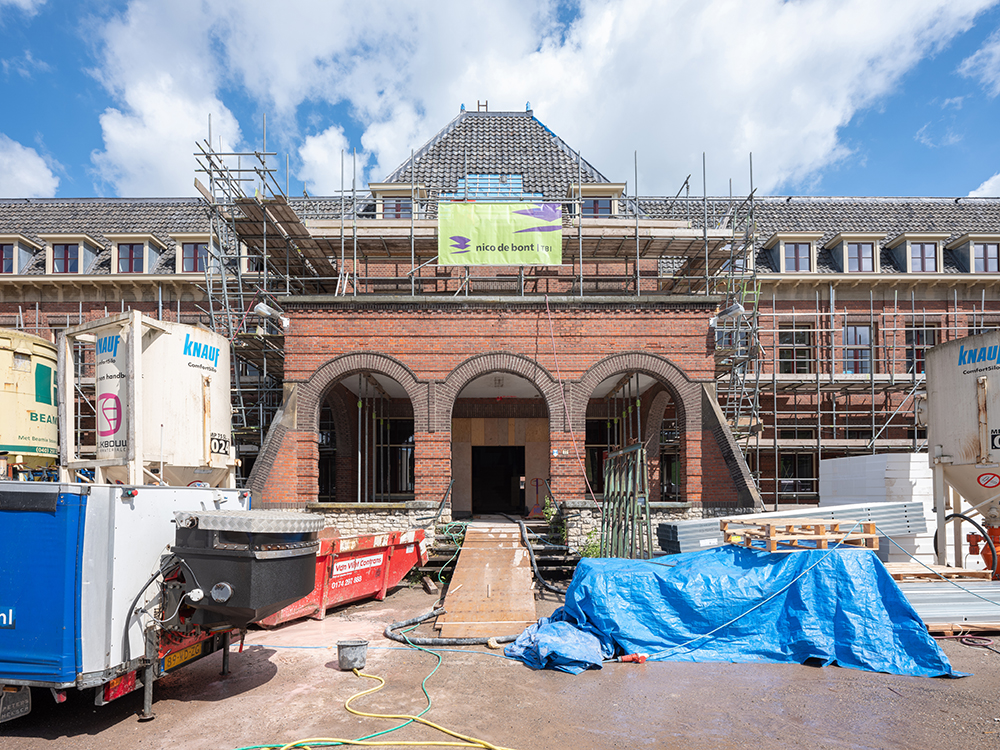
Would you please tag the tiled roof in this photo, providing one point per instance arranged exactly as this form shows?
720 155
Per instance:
832 216
97 217
497 143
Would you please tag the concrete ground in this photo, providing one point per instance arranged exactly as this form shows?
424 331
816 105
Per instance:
286 686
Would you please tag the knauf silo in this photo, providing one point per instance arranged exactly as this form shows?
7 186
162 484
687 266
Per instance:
162 402
28 424
963 425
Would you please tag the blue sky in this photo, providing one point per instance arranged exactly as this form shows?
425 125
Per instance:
833 97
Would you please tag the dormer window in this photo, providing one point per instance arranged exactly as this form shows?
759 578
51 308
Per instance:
193 256
595 199
16 252
134 253
130 257
860 257
65 257
596 207
798 256
855 252
397 208
923 257
397 200
793 252
986 257
918 252
71 254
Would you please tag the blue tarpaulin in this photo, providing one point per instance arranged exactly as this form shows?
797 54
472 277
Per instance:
736 604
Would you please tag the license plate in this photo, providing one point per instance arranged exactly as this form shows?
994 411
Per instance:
171 661
14 702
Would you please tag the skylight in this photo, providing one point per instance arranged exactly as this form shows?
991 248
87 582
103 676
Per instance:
492 187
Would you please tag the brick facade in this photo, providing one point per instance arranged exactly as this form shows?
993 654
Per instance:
564 347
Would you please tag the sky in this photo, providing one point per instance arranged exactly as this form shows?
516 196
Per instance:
108 98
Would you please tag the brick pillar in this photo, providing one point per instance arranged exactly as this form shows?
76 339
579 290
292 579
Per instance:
432 465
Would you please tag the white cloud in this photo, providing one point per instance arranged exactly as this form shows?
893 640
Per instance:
28 7
984 64
327 159
23 172
669 80
989 189
167 91
25 66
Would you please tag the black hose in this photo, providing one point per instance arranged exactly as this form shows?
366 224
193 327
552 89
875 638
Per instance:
534 565
390 633
981 531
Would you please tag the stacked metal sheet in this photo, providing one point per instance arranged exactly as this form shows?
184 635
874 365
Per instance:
891 519
939 603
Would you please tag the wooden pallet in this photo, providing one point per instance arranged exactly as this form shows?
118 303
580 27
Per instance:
791 534
917 572
962 628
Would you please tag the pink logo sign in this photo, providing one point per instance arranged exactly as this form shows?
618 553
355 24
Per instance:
110 409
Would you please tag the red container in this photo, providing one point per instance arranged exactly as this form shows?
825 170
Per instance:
355 567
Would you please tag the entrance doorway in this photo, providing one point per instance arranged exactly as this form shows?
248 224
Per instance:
496 479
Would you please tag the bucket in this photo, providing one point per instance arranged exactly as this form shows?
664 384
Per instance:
351 654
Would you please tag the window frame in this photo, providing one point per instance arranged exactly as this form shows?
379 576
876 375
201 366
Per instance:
916 351
199 256
8 264
988 257
131 256
794 483
790 365
856 256
856 352
61 254
923 245
798 246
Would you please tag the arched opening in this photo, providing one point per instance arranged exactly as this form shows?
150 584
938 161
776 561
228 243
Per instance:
500 446
365 441
629 409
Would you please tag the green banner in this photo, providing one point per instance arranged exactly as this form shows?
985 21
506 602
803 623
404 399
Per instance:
499 234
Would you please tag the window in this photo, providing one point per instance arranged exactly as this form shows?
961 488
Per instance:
394 457
987 257
130 257
397 208
795 353
797 475
797 256
670 461
918 341
598 444
65 258
923 257
596 207
193 255
6 259
857 350
327 456
860 257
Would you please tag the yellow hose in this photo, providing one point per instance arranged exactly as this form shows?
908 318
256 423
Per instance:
468 741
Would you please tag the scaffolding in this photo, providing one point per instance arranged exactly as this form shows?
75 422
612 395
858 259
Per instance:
841 378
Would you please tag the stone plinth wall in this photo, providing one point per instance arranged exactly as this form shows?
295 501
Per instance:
582 517
351 519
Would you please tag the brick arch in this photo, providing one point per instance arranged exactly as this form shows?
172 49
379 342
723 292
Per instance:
683 391
484 364
314 390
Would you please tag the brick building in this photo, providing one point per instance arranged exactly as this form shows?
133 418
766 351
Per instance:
400 380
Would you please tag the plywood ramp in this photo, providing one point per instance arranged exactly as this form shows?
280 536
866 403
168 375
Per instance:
491 591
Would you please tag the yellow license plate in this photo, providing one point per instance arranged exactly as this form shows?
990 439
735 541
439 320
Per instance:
170 661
